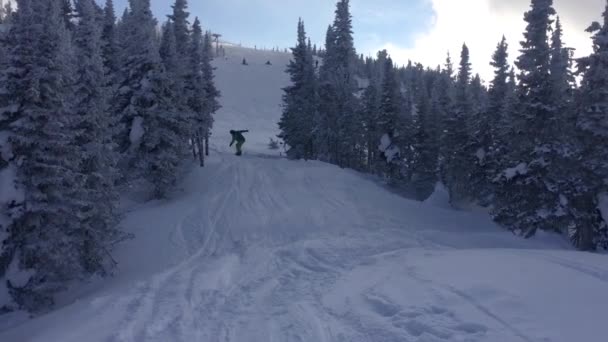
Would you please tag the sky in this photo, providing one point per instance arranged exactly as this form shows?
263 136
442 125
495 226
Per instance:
419 30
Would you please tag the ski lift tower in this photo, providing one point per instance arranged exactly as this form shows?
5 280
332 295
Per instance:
216 37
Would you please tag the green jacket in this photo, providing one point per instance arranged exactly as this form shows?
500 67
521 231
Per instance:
237 136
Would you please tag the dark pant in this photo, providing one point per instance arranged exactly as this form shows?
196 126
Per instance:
239 145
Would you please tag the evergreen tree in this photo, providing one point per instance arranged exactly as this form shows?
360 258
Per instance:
479 145
153 134
92 125
325 128
181 27
426 144
389 125
197 102
592 129
457 158
530 201
45 238
338 127
441 108
498 87
109 40
299 101
498 96
562 78
67 11
212 94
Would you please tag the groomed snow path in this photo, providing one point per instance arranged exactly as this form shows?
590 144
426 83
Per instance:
262 249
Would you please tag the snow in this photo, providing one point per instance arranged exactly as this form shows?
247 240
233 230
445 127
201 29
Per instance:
8 188
519 170
260 248
137 131
481 155
603 206
391 152
5 147
440 197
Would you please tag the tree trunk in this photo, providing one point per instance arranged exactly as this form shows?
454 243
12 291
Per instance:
201 155
194 147
207 143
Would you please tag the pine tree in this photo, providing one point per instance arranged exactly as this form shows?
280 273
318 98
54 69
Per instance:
370 112
94 138
197 102
441 107
457 159
498 87
153 134
562 79
299 101
67 11
338 128
498 95
530 201
325 127
389 123
45 238
479 144
425 158
109 40
592 129
212 94
181 27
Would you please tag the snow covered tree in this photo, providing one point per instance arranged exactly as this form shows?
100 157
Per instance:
370 111
181 28
168 51
153 134
338 127
389 124
498 86
425 158
325 125
299 101
92 125
109 41
67 11
212 94
562 79
480 144
45 241
592 129
499 93
529 201
197 101
457 159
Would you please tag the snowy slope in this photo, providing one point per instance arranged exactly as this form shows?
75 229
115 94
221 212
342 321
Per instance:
260 248
251 95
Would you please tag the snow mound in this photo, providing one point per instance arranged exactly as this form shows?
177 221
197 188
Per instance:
440 198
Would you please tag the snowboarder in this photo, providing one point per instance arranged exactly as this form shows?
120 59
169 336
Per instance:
237 136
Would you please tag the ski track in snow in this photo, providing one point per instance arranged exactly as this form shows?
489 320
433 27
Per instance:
261 249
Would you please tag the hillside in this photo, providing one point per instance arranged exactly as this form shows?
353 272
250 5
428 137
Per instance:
260 248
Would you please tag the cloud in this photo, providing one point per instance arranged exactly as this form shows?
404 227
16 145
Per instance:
482 23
